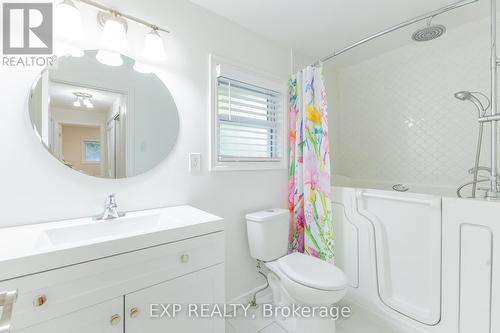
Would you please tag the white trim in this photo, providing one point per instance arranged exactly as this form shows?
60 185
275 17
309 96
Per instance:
221 66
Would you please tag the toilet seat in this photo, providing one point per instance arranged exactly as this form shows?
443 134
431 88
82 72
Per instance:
312 272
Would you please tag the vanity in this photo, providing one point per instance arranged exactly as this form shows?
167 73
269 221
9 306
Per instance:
84 275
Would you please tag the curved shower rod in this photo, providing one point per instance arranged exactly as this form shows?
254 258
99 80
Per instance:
399 26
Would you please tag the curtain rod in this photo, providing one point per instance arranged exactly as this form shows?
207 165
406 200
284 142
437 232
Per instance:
396 27
126 16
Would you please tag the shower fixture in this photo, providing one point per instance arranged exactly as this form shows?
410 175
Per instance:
481 109
430 32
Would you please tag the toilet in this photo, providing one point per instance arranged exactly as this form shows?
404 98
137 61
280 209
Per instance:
294 278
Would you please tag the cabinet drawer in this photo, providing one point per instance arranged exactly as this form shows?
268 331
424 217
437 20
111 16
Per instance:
75 287
105 317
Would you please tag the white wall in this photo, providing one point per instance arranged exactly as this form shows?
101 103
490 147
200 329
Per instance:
394 118
35 187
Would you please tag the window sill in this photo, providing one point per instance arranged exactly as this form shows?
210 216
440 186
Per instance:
247 166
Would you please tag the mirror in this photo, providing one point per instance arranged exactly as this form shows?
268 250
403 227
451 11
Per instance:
103 121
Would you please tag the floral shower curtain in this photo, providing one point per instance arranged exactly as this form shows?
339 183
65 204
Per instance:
309 183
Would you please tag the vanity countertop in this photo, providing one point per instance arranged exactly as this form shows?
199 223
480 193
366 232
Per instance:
40 247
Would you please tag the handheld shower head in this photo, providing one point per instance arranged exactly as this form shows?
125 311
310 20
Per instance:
463 95
469 96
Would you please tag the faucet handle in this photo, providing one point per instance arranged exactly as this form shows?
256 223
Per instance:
111 200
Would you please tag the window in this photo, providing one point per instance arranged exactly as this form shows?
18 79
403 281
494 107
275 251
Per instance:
247 121
91 151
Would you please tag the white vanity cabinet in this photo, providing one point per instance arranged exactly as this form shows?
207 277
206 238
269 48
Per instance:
202 287
113 293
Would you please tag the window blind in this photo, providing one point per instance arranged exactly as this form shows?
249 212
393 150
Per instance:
250 122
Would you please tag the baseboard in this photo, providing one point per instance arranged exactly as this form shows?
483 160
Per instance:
264 296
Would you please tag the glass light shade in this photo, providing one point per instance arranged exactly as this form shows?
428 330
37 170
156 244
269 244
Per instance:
142 68
153 49
114 36
109 58
68 21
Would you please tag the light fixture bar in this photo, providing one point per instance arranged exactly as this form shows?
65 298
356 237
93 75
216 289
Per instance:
125 16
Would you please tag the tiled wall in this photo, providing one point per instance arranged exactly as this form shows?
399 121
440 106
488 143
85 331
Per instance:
393 118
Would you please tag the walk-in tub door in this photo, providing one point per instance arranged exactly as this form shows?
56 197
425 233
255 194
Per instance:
407 234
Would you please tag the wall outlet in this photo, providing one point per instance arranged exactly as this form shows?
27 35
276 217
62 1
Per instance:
194 162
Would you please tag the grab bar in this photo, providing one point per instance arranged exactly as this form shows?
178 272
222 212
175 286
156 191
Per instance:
361 195
7 300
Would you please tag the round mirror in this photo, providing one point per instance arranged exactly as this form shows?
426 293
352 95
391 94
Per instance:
103 121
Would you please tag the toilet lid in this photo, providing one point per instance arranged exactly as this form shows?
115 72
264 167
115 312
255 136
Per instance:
312 272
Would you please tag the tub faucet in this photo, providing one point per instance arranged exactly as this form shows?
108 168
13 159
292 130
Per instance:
110 209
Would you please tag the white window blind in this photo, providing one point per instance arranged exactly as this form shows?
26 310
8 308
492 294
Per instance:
250 122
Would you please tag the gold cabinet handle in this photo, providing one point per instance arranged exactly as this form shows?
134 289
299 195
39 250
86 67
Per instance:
184 258
134 312
115 319
7 300
40 300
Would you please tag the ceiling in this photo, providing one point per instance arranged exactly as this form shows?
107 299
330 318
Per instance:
315 28
62 95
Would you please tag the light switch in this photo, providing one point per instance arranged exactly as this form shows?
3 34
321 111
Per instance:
194 162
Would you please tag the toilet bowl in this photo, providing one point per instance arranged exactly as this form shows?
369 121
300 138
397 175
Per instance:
295 279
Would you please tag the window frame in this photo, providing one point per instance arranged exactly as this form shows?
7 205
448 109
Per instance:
247 75
84 155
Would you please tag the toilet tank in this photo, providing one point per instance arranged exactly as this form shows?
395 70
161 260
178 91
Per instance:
268 233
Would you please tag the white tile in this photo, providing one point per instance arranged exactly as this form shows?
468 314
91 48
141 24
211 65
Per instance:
273 328
230 328
396 119
250 324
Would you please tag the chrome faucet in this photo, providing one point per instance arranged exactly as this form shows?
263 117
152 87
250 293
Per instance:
110 209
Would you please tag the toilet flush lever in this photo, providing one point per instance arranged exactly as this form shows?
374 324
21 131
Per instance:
7 300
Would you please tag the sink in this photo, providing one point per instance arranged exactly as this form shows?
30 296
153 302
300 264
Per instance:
44 246
102 229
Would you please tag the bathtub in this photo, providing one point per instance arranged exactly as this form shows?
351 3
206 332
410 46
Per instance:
424 262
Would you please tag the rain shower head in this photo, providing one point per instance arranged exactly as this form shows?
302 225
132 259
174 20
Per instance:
430 32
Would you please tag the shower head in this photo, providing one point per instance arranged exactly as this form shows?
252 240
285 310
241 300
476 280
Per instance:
430 32
469 96
463 95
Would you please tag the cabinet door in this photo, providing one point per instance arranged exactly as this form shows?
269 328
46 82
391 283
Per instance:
105 317
203 287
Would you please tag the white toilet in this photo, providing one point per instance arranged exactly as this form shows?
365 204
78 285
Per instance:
294 278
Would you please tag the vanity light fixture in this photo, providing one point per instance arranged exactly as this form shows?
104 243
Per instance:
154 49
109 58
142 67
68 21
114 38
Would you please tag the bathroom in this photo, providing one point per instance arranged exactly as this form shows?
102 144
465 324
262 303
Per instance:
133 186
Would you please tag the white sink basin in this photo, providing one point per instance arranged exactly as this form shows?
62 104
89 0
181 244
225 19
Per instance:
44 246
102 229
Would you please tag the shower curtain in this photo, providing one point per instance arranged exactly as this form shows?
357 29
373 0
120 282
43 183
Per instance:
309 183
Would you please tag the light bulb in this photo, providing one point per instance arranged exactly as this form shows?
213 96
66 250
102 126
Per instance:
153 49
114 35
77 102
88 103
142 68
68 21
109 58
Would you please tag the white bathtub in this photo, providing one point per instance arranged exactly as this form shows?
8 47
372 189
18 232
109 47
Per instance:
441 190
423 262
